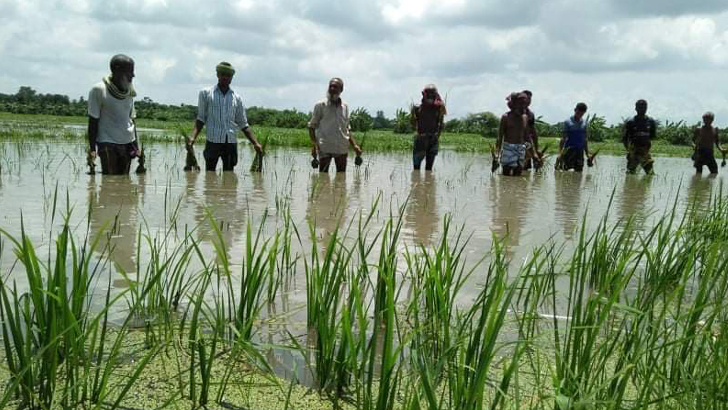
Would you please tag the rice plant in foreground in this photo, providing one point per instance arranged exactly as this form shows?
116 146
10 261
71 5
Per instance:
50 334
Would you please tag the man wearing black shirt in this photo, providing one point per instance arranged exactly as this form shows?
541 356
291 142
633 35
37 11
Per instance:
639 131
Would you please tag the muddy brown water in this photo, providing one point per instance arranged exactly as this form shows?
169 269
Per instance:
530 210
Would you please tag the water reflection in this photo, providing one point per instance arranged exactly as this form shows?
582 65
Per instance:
327 204
568 188
422 216
633 199
114 215
510 199
220 212
699 190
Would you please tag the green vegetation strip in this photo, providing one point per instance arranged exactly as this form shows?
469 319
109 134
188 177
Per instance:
26 127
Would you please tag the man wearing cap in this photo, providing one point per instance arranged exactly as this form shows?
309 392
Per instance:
223 111
111 133
639 131
427 120
329 129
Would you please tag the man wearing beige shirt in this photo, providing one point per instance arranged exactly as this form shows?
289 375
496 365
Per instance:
329 129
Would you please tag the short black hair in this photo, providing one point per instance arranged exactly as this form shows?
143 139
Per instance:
528 93
120 61
581 107
640 102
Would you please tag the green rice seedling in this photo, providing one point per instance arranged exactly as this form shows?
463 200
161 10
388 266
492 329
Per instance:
202 349
324 281
49 333
385 327
437 281
478 331
257 165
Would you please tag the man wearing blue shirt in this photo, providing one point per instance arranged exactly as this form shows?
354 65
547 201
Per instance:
223 111
574 141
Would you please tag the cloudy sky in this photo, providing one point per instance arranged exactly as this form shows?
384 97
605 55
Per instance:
606 53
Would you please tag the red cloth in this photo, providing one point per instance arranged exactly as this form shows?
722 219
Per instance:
437 101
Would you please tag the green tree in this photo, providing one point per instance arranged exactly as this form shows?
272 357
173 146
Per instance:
25 95
381 121
360 120
402 122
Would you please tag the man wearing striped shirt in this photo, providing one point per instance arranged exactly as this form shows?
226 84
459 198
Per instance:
223 111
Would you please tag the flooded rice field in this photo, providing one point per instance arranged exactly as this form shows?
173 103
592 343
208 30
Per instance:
166 202
529 210
364 274
526 211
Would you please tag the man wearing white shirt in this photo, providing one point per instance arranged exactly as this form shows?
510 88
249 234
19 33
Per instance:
223 111
329 129
111 133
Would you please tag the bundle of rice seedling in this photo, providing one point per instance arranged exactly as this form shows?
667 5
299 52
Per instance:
540 157
91 162
190 159
495 164
141 161
139 153
257 165
591 159
358 160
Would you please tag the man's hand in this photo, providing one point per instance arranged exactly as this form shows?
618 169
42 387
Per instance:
315 151
258 148
91 156
357 150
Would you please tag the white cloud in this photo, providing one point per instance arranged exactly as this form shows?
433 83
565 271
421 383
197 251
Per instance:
607 53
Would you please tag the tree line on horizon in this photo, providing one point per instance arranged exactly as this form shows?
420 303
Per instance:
28 101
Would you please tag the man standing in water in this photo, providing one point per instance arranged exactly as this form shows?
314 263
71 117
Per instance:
330 131
512 136
639 131
223 111
111 129
704 139
427 120
530 130
574 141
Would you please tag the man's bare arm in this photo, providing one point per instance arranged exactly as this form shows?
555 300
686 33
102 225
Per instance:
501 134
196 131
93 133
354 145
315 148
251 137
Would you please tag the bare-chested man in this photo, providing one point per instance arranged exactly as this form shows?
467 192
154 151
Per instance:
704 140
513 136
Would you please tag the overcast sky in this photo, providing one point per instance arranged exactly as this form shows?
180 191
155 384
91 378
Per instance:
607 53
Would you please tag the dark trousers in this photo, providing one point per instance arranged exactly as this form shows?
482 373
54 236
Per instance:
426 146
115 158
339 159
227 151
705 157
